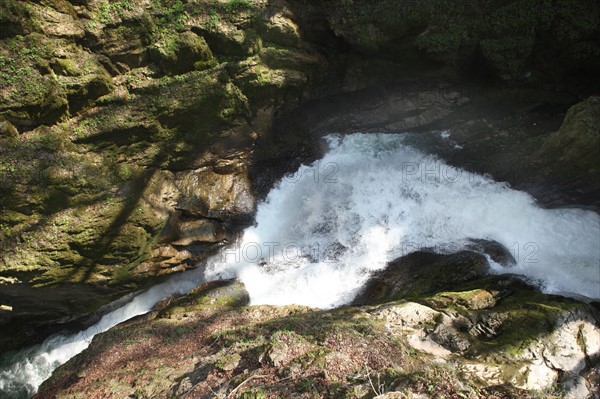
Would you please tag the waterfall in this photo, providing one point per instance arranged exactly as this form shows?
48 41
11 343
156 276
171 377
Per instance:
323 230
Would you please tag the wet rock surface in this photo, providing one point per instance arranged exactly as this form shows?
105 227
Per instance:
419 273
125 128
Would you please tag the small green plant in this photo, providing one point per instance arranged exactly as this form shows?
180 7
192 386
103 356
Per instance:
118 8
91 25
213 20
307 384
105 15
237 5
169 17
125 172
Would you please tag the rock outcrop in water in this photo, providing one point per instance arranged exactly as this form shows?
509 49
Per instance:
135 136
489 338
422 272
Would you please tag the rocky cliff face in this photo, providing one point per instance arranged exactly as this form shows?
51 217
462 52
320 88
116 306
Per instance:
127 133
135 136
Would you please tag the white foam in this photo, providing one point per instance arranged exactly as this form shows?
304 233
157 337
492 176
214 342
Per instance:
381 199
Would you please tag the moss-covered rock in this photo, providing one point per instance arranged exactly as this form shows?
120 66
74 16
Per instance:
56 18
511 41
419 273
124 45
278 57
208 341
31 95
7 130
14 17
217 295
46 79
267 87
574 151
228 40
182 53
279 28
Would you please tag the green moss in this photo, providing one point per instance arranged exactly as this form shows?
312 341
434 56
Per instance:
228 362
232 6
203 65
209 296
167 17
452 32
574 151
44 83
445 41
109 12
213 20
527 313
10 10
178 54
69 66
22 63
473 299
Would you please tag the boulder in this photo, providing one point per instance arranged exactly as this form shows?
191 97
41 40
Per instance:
182 53
280 29
496 251
7 130
226 39
528 345
419 273
198 231
573 152
221 194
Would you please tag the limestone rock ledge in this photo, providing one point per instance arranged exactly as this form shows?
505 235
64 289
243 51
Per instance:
515 343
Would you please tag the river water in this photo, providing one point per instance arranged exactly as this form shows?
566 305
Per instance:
322 231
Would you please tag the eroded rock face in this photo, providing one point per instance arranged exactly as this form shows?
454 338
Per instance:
501 41
560 345
183 53
102 149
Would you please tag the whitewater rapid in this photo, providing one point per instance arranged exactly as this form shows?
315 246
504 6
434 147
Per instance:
322 231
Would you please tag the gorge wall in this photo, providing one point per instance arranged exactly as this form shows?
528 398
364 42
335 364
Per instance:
136 137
